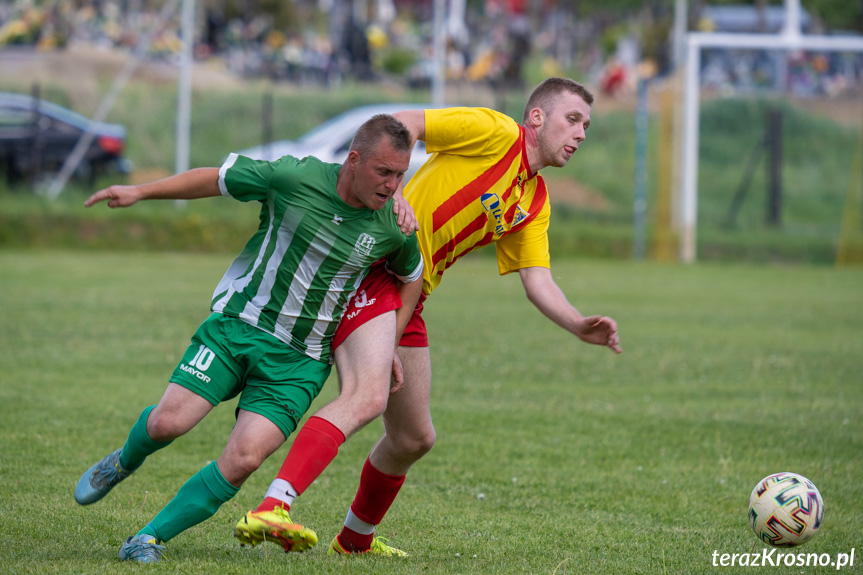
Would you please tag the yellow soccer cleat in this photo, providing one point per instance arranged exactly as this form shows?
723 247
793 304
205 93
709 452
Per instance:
276 526
378 548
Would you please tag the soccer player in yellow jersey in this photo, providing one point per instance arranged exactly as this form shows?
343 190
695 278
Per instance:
481 185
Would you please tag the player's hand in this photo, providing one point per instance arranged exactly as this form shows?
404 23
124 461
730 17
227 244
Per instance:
117 196
398 379
599 330
405 216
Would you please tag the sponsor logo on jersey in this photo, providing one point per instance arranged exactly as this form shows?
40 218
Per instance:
202 361
365 244
520 214
491 204
192 371
360 301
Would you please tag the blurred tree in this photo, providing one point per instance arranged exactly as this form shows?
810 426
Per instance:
838 14
284 13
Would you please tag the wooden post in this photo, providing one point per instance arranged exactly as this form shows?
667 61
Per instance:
774 167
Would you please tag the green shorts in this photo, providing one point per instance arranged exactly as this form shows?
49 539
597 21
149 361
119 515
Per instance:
228 357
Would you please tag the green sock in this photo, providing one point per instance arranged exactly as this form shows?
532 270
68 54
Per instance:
139 445
197 500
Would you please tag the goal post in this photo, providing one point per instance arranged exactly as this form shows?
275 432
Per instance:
789 39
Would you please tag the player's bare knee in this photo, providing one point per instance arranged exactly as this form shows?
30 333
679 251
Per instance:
377 402
163 426
369 408
368 404
427 441
239 465
417 445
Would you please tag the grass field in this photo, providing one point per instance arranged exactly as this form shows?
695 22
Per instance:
552 457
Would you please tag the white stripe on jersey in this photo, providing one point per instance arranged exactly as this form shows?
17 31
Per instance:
225 167
319 249
284 236
232 282
328 308
415 275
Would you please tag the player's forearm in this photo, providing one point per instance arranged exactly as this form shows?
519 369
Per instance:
549 299
410 293
191 185
560 311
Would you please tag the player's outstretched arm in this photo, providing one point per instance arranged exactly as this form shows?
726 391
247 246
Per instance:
194 184
545 294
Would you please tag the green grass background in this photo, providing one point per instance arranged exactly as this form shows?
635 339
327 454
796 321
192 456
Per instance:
587 462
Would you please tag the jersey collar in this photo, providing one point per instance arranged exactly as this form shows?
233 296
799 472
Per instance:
525 165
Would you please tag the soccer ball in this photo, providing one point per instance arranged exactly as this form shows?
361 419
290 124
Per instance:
785 509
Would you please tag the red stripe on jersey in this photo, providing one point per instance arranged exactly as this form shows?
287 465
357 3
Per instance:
466 232
463 198
486 239
509 190
524 163
524 167
540 196
510 213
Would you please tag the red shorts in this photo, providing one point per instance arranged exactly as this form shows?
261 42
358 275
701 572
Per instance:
378 294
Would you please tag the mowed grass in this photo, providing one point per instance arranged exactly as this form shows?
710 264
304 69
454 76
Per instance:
552 456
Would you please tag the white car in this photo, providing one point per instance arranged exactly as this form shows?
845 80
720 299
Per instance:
331 141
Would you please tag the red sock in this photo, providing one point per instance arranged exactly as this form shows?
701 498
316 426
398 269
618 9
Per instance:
374 497
316 445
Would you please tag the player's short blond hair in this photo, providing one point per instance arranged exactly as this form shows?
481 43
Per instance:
543 96
375 129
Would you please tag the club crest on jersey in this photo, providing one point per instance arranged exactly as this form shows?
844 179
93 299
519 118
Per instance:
365 244
520 214
491 204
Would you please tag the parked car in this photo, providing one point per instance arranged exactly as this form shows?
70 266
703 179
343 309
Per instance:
37 136
330 141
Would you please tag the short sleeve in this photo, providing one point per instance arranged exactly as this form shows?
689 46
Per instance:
468 131
525 248
406 262
245 179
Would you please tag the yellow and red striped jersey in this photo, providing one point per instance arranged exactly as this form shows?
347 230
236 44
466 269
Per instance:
475 189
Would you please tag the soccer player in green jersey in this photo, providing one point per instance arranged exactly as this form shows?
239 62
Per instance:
269 336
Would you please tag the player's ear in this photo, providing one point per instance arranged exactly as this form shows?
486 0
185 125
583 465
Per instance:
353 158
536 117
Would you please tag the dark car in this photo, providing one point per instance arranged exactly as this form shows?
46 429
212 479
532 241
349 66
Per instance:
36 137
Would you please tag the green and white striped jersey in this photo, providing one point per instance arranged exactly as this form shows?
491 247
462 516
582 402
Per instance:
309 254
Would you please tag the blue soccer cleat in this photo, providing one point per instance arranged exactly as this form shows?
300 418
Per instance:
100 479
142 548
